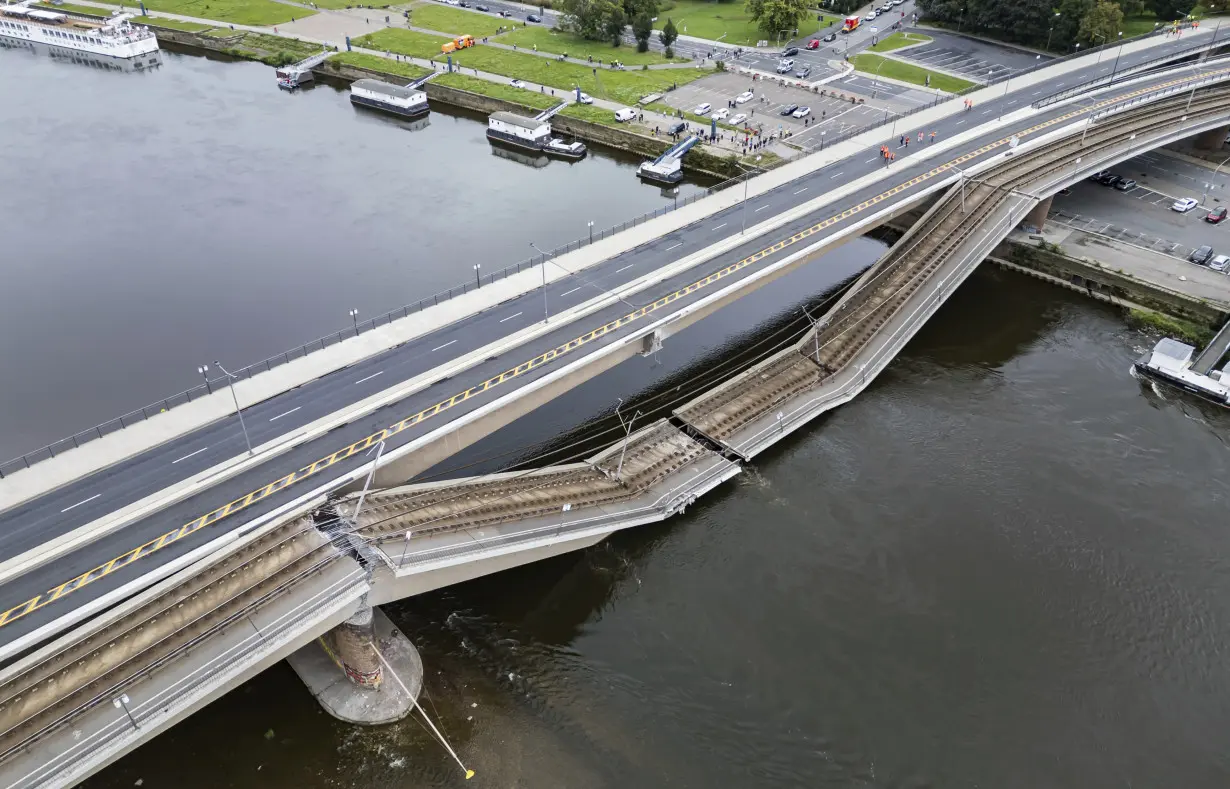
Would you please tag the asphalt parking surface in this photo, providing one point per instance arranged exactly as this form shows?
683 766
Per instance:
977 60
832 114
1140 216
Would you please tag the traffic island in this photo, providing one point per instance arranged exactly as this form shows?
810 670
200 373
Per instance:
351 681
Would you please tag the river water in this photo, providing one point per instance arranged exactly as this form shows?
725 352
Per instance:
1004 565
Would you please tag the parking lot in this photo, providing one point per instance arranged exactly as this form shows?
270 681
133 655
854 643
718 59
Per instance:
830 116
975 60
1140 216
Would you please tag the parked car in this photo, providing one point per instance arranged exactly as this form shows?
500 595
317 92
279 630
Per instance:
738 119
1097 176
830 37
720 115
482 8
815 43
744 97
802 112
1124 184
1109 179
1201 256
789 109
463 3
503 13
677 128
785 67
803 73
516 83
1220 263
535 18
585 98
703 108
1184 204
790 52
1217 216
872 15
625 115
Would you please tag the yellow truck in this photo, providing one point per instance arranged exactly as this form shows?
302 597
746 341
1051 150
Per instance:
461 42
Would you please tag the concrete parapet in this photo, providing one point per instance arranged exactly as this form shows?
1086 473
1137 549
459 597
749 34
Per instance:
1211 140
397 666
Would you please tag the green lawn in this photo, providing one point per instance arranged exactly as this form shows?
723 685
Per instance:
377 63
456 21
498 90
403 42
570 44
1138 25
69 8
623 86
592 114
895 69
336 4
240 12
173 24
704 19
899 40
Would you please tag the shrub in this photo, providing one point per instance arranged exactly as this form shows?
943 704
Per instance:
669 53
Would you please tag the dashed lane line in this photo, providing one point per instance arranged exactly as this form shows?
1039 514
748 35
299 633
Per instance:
78 504
287 413
190 454
171 537
370 377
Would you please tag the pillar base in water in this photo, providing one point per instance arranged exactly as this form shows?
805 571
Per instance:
364 704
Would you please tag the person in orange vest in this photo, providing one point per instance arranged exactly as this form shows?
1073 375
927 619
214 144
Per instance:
932 136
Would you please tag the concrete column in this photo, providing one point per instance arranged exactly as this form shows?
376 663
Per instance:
1211 140
1037 217
350 646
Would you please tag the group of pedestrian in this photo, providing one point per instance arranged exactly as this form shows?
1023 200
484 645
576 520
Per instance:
887 155
969 104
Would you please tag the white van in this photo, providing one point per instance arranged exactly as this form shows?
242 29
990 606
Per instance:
624 115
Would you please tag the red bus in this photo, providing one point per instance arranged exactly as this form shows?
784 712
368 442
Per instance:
850 25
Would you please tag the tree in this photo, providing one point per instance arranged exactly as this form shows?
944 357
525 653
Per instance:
613 24
1168 10
775 16
642 29
1102 24
633 8
668 34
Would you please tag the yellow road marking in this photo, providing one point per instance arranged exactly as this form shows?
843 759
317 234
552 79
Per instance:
174 536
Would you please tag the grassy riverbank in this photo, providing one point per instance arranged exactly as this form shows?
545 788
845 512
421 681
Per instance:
497 90
561 43
384 65
239 12
457 21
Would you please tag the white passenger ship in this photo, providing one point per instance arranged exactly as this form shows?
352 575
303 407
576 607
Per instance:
115 37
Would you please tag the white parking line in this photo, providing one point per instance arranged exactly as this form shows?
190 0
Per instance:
78 504
185 457
370 377
510 317
445 345
668 249
625 268
719 227
288 413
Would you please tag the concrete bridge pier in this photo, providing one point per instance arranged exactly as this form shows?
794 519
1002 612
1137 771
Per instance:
1036 219
1211 140
363 671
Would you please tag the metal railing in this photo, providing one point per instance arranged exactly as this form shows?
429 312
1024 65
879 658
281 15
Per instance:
159 406
187 396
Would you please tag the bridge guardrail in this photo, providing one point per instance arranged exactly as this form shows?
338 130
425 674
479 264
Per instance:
139 415
187 396
1067 93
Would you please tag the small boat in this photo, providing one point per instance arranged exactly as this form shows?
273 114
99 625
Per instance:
565 150
286 83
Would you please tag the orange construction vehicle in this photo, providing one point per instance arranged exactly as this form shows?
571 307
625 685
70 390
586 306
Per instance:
461 42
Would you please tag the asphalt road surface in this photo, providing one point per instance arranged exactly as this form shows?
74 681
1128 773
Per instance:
94 496
981 61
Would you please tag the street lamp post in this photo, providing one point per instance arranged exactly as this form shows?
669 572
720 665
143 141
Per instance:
1099 60
1115 68
875 81
231 380
960 20
546 313
478 282
591 231
121 702
204 371
1209 184
354 316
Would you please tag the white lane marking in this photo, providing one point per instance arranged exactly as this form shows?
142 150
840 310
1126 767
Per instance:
834 175
288 413
1059 84
78 504
574 290
510 317
625 268
804 189
668 249
984 112
373 375
758 210
185 457
869 161
719 227
445 345
958 123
